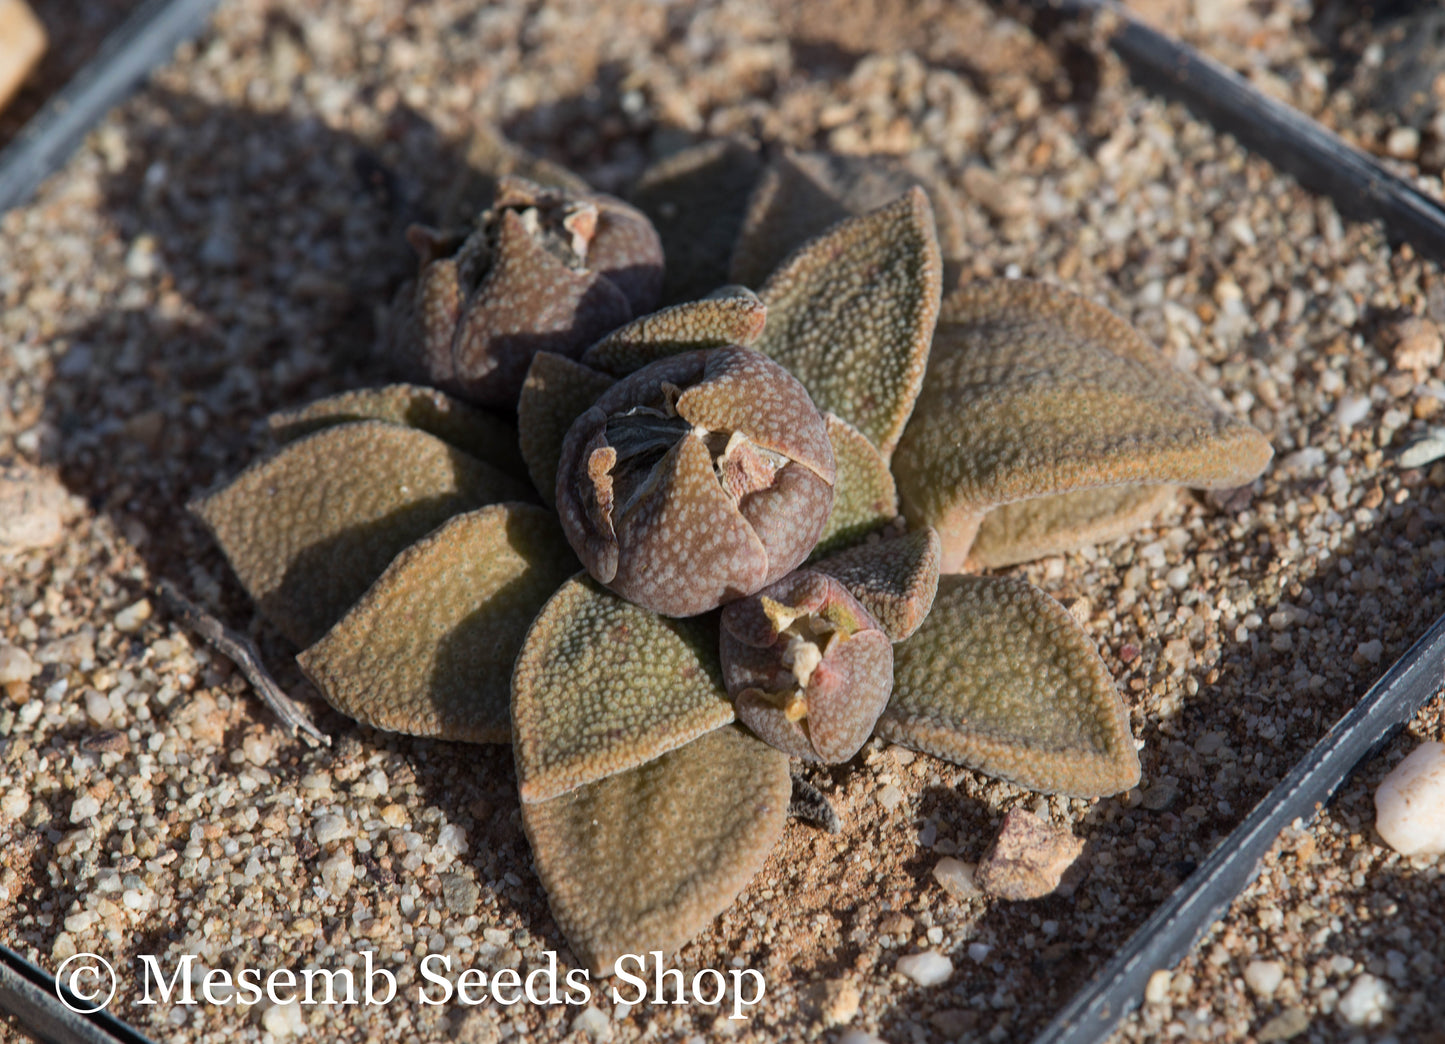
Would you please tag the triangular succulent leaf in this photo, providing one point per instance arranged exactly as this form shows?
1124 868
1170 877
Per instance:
1000 678
645 860
730 315
308 529
603 686
475 431
851 314
556 392
895 579
864 497
429 649
1033 391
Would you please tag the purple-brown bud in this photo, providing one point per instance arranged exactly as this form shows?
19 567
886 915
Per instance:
697 480
543 270
808 668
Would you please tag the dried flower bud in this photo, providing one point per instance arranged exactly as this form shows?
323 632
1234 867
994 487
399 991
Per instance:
697 480
544 270
808 667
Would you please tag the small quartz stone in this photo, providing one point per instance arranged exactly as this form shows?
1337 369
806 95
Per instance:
16 665
1263 977
330 828
1365 1002
928 968
32 509
284 1020
1157 989
1410 803
592 1022
956 878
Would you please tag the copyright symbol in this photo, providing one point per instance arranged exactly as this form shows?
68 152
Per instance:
90 980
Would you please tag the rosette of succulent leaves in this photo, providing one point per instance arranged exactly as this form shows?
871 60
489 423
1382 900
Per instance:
707 539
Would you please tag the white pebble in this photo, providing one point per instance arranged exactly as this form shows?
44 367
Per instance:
329 828
1264 977
132 616
337 874
85 807
15 804
593 1023
1157 989
284 1020
1424 450
1365 1002
97 707
890 797
1351 409
1410 803
956 878
16 665
927 968
978 952
1371 651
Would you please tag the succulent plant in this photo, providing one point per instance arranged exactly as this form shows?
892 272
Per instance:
543 269
395 536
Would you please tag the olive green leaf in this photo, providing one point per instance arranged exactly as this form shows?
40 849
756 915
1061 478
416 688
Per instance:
603 686
646 859
1033 391
803 194
429 649
696 199
729 315
309 529
896 580
556 392
851 314
1000 678
484 435
864 497
1030 529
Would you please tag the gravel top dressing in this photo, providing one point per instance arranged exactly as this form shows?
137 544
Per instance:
226 245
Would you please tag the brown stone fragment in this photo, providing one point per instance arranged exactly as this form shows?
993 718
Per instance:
1028 859
33 505
1418 346
22 42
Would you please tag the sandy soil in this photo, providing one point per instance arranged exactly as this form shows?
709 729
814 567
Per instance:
219 249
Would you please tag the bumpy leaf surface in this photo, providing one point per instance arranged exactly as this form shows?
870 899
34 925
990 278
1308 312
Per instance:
484 435
645 860
1000 678
802 194
556 392
731 315
603 686
309 529
1033 391
895 580
429 649
1029 529
851 313
864 497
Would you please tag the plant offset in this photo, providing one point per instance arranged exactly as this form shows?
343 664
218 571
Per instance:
720 535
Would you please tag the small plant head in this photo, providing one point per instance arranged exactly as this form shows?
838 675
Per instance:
543 270
808 668
696 480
